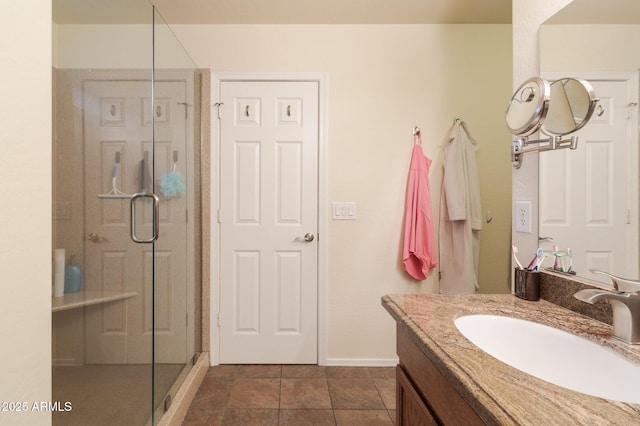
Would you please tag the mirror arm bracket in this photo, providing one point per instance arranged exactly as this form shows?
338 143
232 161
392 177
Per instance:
522 145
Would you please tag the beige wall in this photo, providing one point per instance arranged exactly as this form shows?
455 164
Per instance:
103 46
117 47
593 48
383 80
25 215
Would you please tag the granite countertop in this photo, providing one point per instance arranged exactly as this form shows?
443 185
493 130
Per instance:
497 392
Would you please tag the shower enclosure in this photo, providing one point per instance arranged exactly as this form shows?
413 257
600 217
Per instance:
126 322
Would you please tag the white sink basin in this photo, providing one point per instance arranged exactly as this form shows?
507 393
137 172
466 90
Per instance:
555 356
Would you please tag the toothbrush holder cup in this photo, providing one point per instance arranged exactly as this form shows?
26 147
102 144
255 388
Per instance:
527 284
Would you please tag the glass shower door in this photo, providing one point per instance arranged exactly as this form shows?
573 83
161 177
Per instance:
177 254
126 221
103 328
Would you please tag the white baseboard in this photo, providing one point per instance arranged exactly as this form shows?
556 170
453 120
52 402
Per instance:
362 362
351 362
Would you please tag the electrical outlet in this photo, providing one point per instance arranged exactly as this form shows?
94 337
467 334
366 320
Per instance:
523 216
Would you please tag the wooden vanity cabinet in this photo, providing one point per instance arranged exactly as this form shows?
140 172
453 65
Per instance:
410 408
424 396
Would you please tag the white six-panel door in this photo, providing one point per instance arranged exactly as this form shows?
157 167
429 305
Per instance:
588 197
268 200
118 119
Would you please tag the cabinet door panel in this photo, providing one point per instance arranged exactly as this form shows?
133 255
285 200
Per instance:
450 408
410 410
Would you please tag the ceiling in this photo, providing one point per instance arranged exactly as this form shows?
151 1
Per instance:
331 12
285 11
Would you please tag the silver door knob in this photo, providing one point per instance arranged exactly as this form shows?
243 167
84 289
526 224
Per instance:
95 238
308 237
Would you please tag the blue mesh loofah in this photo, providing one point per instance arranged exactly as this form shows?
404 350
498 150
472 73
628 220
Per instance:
172 185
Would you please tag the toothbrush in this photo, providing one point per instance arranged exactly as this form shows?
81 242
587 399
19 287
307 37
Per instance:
570 254
540 255
515 256
554 248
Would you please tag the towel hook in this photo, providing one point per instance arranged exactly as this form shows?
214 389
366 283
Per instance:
457 119
416 130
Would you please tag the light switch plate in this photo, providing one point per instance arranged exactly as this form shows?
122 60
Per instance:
344 210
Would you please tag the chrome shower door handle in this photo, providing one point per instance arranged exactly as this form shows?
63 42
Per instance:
155 226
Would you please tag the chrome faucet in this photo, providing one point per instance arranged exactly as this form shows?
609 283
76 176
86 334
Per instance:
625 303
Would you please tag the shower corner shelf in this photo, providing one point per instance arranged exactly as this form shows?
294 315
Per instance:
87 298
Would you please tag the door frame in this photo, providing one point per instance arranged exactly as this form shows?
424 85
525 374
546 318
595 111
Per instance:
322 79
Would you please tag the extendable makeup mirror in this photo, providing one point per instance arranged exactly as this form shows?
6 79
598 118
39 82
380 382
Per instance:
572 104
556 109
528 107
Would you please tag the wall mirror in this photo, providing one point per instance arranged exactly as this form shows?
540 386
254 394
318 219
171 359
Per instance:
588 198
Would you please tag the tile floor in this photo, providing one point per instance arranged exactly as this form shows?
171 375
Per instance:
295 395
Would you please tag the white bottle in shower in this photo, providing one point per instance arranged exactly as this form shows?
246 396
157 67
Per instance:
58 272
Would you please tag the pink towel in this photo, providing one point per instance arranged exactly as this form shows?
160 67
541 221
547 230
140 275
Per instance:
419 250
